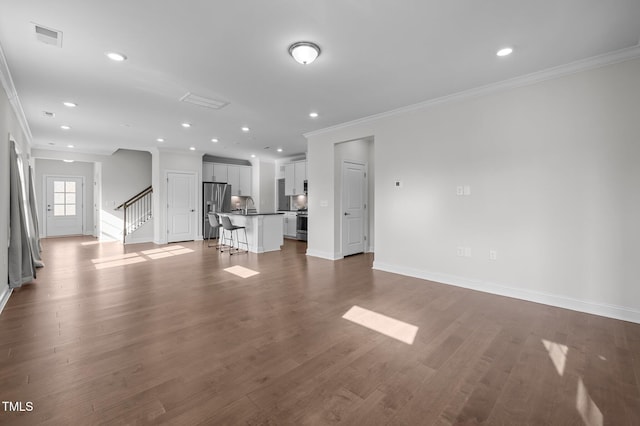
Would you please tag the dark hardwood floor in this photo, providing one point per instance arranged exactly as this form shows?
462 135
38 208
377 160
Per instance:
148 334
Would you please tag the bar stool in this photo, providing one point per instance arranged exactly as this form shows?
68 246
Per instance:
228 226
215 225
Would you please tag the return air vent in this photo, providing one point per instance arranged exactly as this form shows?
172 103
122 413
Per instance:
203 102
47 35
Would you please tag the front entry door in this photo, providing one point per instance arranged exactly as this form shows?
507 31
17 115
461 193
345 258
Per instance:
353 207
65 209
181 206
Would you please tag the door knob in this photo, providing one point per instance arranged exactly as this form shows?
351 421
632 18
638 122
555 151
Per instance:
347 213
193 210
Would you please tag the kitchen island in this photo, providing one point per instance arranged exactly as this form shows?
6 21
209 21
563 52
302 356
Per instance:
264 230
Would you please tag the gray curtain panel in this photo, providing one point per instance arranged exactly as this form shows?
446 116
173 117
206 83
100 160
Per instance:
36 247
21 267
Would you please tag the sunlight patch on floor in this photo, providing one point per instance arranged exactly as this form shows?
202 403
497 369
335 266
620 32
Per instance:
589 411
168 251
241 271
557 353
131 258
121 262
388 326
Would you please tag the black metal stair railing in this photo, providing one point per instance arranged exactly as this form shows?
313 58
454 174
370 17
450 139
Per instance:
137 211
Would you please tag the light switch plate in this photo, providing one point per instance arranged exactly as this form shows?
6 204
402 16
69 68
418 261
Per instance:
459 190
467 190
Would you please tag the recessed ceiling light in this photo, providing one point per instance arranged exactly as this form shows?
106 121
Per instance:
313 114
186 125
70 146
65 127
115 56
253 156
279 149
68 161
214 140
505 51
160 140
70 104
245 129
304 52
193 148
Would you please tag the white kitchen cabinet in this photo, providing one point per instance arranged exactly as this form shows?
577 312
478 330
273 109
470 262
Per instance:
239 177
245 181
220 172
289 178
300 168
294 176
207 172
289 227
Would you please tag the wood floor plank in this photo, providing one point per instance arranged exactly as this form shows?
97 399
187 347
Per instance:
181 341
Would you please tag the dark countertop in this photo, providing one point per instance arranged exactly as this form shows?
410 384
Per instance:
252 214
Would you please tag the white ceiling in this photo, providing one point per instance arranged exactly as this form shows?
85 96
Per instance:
376 56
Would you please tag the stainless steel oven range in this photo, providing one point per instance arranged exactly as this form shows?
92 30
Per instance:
301 225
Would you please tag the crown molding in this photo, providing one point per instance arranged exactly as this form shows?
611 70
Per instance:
593 62
12 94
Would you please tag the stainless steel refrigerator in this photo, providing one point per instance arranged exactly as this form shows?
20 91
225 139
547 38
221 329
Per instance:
216 198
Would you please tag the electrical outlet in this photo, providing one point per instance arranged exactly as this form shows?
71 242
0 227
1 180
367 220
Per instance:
467 190
459 190
493 255
460 251
467 252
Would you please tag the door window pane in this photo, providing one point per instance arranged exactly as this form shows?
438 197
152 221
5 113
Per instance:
64 198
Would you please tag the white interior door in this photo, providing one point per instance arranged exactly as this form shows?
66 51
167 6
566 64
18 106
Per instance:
65 207
181 206
353 208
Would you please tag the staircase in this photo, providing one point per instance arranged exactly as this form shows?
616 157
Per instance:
137 211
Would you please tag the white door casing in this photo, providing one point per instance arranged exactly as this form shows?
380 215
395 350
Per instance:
64 206
353 207
181 206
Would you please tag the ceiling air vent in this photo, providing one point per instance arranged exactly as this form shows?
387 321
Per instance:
49 114
203 102
47 35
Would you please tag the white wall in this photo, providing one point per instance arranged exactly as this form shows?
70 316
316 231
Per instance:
553 172
59 168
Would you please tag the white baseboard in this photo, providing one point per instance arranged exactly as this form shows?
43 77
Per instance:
138 240
4 297
324 254
590 307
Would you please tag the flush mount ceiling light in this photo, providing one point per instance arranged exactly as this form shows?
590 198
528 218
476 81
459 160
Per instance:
68 161
65 127
160 140
245 129
214 140
313 114
279 149
70 146
115 56
186 125
505 51
253 156
193 148
70 104
304 52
